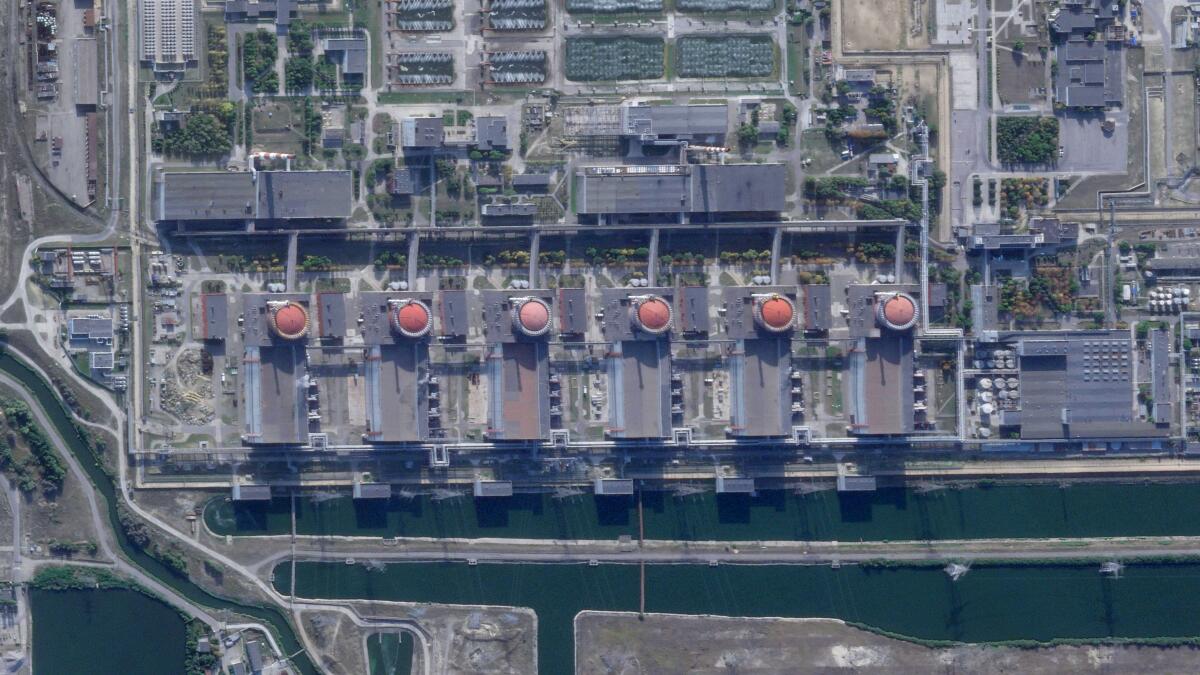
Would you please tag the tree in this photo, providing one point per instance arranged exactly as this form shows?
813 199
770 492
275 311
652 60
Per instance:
300 39
747 135
259 52
1027 140
325 75
298 73
202 135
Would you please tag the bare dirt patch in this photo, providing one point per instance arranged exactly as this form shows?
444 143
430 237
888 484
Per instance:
474 640
612 643
885 25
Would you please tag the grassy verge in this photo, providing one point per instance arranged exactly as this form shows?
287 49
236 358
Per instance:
797 56
460 97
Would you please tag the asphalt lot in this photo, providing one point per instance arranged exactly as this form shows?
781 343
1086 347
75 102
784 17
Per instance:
1087 149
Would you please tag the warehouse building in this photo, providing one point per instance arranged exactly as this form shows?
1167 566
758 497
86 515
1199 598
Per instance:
1075 385
214 317
87 76
700 189
1161 392
211 196
1089 54
702 124
253 11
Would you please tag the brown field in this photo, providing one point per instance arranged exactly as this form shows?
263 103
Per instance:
885 25
611 643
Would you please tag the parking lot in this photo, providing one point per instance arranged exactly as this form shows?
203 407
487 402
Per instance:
1087 149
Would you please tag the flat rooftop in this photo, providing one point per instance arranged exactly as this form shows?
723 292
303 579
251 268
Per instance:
1076 384
675 121
519 391
760 389
275 409
699 188
881 386
87 77
237 195
397 392
639 389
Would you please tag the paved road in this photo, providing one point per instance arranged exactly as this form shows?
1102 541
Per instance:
748 554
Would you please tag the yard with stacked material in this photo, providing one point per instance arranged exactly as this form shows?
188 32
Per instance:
606 59
614 6
727 56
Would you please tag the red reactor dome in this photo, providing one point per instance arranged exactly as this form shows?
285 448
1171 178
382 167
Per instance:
289 320
652 314
411 318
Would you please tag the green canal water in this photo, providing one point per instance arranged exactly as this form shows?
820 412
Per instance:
389 654
109 631
989 604
1033 511
61 420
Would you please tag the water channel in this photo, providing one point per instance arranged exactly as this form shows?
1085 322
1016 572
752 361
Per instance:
62 422
390 654
1010 511
988 604
109 631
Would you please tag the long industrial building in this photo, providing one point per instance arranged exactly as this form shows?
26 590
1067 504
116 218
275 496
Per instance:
518 324
238 197
881 386
274 368
761 321
638 324
687 189
1077 385
396 328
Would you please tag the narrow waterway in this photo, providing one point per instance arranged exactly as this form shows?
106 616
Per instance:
1009 511
108 631
390 654
59 416
989 604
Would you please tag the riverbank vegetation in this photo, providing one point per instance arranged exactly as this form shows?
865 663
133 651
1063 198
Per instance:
69 578
139 534
41 466
198 662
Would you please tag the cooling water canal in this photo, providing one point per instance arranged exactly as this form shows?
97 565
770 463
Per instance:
1033 511
988 604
